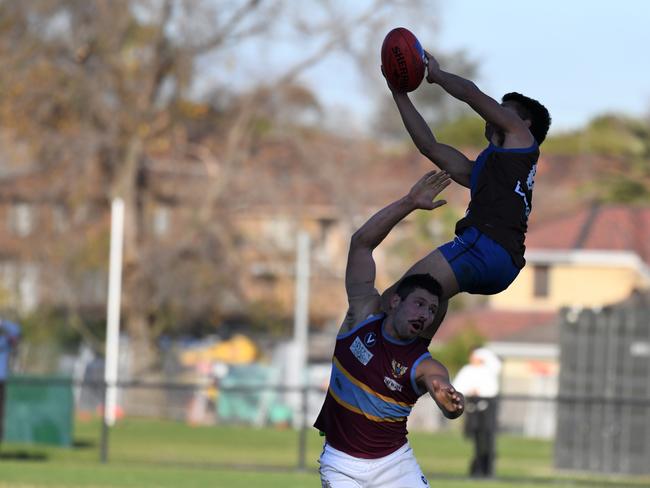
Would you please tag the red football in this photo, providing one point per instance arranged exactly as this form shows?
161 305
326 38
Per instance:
402 58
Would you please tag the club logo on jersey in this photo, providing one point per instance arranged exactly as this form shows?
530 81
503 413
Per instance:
397 369
370 339
392 384
361 352
424 480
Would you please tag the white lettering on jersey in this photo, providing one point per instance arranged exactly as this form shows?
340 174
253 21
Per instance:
519 191
392 384
361 352
530 181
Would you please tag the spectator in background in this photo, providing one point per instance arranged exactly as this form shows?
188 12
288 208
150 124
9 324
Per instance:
479 382
9 337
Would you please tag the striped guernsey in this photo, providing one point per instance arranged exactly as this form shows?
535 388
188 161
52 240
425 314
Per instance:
372 390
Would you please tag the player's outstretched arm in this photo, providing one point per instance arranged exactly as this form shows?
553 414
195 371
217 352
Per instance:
435 377
445 157
515 128
363 298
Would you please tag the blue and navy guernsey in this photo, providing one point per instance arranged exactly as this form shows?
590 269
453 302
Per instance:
501 184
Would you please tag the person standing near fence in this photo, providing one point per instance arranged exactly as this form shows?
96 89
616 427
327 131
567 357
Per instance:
9 337
479 382
381 365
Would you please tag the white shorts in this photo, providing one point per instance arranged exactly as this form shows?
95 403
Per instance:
397 470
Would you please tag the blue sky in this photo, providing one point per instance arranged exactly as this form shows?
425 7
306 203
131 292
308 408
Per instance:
580 58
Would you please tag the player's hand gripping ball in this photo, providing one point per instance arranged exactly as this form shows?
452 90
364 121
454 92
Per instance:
403 60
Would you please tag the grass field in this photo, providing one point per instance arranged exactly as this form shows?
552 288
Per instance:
165 454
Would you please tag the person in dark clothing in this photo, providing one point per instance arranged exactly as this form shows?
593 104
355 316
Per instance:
479 382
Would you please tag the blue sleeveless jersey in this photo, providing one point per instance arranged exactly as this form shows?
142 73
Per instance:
502 182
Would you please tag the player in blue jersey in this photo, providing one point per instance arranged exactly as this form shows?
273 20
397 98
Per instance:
381 365
488 251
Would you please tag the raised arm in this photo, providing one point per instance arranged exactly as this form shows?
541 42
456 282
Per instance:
363 298
445 157
503 118
432 375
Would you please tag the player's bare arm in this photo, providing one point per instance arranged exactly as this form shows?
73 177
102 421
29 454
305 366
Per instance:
360 274
445 157
504 118
432 375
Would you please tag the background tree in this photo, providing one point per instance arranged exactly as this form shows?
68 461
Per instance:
625 143
112 94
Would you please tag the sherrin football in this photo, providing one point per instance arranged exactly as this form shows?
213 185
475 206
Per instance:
403 60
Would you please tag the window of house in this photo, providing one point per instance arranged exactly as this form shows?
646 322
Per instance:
28 284
541 284
280 231
59 218
21 219
161 220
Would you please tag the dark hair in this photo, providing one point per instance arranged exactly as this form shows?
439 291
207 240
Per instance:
529 109
424 281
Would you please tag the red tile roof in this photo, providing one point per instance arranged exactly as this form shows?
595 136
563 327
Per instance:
600 227
494 325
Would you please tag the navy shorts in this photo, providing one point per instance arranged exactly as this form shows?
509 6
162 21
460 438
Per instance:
481 265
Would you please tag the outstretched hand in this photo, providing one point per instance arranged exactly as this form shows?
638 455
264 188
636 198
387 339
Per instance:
427 188
450 401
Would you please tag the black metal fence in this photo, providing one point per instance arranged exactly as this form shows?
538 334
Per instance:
605 362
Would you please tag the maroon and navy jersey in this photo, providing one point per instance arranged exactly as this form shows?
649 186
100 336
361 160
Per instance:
501 186
372 390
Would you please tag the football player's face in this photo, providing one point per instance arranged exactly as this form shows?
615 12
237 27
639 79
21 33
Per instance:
415 313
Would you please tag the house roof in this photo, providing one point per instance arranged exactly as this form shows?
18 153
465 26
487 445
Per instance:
599 227
502 325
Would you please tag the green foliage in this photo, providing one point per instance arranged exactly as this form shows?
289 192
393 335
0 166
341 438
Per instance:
47 333
466 131
623 190
454 354
626 141
265 315
48 326
428 231
607 135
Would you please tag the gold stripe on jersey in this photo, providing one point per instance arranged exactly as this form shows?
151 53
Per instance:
366 388
354 409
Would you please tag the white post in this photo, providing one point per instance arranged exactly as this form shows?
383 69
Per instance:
113 309
301 307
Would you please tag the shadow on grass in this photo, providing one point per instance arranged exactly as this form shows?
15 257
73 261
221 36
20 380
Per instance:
17 454
21 455
85 444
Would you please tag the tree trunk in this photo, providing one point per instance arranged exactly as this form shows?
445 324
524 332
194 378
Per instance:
127 187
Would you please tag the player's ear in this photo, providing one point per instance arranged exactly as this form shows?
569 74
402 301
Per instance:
394 301
528 122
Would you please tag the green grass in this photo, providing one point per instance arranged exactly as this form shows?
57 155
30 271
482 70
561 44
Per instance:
165 454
